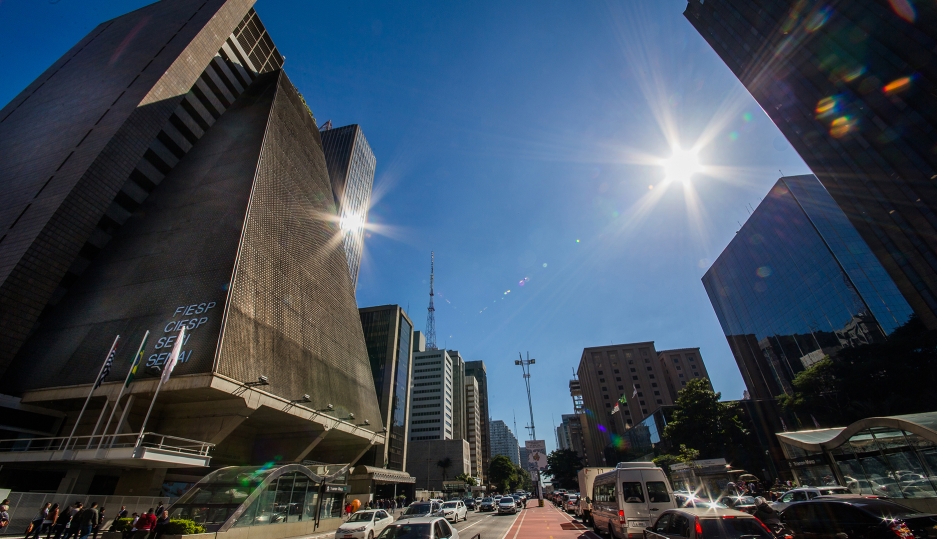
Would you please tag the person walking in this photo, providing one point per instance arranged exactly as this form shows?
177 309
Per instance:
94 531
49 523
4 516
88 520
123 512
132 528
162 524
36 523
72 524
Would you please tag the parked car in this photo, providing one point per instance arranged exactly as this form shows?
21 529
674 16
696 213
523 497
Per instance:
628 499
420 528
507 506
708 523
364 525
805 493
419 509
857 518
454 511
572 501
487 504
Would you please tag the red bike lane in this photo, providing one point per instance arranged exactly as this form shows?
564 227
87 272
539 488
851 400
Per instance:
547 522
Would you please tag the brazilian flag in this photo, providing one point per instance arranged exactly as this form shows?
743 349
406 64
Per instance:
136 363
623 399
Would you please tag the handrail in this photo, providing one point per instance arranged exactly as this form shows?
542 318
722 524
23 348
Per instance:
151 440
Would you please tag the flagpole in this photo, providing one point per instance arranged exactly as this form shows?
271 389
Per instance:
167 370
136 358
93 387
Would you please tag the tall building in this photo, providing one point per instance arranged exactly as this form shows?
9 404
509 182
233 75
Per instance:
473 424
351 165
680 366
797 283
590 448
431 411
476 369
388 333
573 431
562 436
184 187
850 84
459 411
503 441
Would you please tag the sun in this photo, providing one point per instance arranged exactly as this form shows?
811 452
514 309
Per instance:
352 223
681 166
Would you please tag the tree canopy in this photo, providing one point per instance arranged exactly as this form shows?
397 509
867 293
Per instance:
700 422
506 477
563 467
466 478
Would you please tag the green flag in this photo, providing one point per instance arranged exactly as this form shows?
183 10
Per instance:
137 360
623 399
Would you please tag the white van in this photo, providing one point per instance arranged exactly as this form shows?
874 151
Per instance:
629 499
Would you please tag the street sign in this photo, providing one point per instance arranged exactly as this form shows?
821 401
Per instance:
537 453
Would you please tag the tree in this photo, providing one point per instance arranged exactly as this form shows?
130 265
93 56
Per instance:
709 427
521 479
563 467
466 478
444 463
502 473
684 455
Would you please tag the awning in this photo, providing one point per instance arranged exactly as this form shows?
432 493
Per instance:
381 474
816 441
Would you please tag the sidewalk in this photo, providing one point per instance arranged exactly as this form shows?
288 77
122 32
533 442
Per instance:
546 522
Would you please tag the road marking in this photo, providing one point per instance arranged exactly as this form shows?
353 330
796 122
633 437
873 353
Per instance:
479 522
507 531
519 526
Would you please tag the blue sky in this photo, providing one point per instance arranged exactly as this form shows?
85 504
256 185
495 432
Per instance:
518 140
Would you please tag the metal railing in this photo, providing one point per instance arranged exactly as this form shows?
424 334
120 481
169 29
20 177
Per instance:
151 440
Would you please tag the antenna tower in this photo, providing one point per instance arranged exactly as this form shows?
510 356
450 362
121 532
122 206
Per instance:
431 311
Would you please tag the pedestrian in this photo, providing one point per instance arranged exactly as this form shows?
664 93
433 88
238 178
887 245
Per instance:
766 514
49 523
88 520
94 531
4 516
35 525
159 509
162 523
123 512
72 525
145 524
132 528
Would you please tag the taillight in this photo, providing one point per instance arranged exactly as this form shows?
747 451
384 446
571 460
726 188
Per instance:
621 516
901 529
767 530
699 529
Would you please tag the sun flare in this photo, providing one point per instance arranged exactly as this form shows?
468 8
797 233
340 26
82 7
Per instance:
681 166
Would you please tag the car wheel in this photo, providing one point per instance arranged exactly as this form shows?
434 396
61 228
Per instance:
370 535
611 530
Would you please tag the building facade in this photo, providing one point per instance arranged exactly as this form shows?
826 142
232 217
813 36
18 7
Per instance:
459 410
351 166
503 441
848 83
431 411
476 369
473 424
388 334
797 283
680 366
180 190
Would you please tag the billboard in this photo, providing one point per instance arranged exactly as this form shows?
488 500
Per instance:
536 453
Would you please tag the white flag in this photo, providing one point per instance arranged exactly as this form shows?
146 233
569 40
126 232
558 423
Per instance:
616 409
174 356
635 393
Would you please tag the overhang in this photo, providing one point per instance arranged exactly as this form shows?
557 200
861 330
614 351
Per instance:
381 475
817 441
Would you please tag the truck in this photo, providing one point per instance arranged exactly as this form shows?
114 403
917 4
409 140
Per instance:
586 477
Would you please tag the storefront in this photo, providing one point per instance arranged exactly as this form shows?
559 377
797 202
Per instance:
891 456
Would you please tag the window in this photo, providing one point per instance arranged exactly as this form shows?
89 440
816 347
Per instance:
644 411
602 380
634 377
618 378
679 368
680 526
662 523
660 401
695 374
642 404
600 372
651 376
654 384
616 371
621 388
637 386
634 369
657 392
442 529
605 389
657 492
676 360
603 492
608 405
681 376
632 492
684 383
640 394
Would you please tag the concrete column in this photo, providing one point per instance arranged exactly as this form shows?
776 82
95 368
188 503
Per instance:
76 481
312 445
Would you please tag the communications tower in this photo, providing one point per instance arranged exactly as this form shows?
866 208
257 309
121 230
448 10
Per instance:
431 311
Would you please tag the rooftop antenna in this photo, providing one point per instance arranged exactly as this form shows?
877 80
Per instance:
431 311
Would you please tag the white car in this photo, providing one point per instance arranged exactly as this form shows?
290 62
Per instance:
454 511
420 528
506 506
364 525
803 494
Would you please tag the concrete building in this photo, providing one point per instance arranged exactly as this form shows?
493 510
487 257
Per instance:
425 456
388 332
431 411
680 366
797 283
848 84
476 369
351 165
562 436
182 188
503 441
459 411
588 448
473 425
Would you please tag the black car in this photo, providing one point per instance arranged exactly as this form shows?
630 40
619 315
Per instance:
469 503
857 518
488 504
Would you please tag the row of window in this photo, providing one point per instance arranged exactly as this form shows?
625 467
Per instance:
632 492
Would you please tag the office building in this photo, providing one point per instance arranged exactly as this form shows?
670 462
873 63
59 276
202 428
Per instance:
680 366
522 455
797 283
388 332
503 441
182 188
850 86
562 437
431 409
424 457
351 165
473 424
476 369
459 412
578 424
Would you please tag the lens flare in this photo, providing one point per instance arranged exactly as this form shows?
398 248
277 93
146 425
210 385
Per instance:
817 19
903 9
681 166
763 271
827 107
898 85
842 126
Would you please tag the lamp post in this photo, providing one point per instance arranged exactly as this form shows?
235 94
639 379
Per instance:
525 368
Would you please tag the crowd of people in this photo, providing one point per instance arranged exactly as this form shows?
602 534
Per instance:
79 522
390 505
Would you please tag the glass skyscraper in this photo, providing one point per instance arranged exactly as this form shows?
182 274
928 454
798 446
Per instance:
796 283
351 166
851 85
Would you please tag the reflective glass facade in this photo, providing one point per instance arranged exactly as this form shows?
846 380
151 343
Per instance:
797 283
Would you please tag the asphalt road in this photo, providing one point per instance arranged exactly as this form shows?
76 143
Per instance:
487 525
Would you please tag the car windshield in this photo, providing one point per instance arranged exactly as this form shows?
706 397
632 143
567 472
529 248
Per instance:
361 516
507 500
743 500
406 531
734 528
449 505
487 500
418 509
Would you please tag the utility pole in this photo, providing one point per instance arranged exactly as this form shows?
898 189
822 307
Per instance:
525 367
